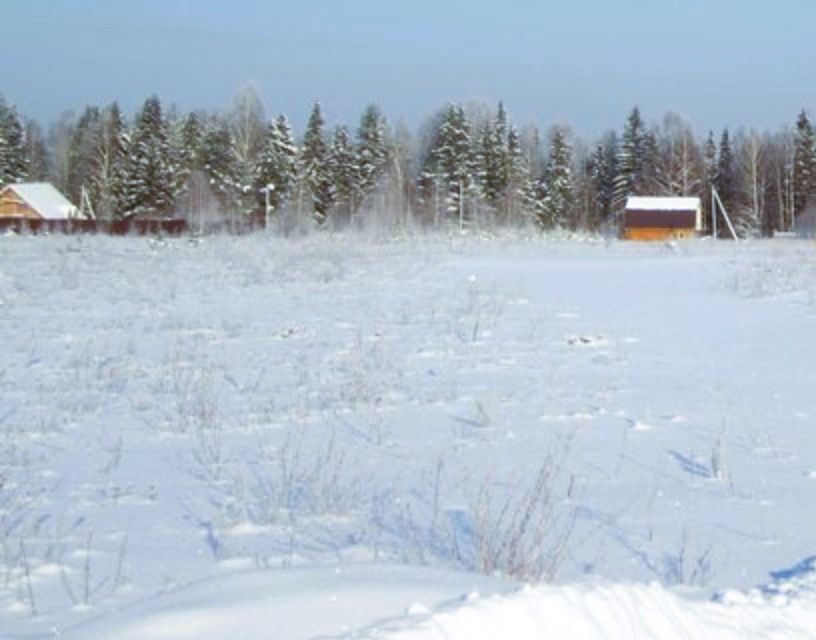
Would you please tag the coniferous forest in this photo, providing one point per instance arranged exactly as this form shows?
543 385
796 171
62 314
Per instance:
466 165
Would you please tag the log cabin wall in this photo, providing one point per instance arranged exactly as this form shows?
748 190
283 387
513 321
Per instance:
12 206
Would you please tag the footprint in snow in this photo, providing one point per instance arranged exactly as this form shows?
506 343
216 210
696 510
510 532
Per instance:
637 425
586 341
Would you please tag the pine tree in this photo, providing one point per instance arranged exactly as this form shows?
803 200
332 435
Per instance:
277 165
804 167
559 200
13 156
314 169
149 179
629 180
344 174
371 151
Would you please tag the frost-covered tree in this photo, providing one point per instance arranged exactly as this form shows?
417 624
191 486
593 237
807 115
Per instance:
219 165
804 167
277 165
344 174
36 153
84 153
559 196
678 168
630 178
13 156
371 152
520 190
187 139
247 122
753 185
314 173
107 180
149 173
604 168
496 158
60 134
451 159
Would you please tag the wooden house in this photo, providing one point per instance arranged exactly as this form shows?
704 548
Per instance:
35 201
659 218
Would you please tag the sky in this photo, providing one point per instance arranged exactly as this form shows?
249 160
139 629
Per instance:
716 62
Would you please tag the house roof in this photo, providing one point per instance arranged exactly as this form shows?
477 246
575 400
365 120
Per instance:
639 203
45 199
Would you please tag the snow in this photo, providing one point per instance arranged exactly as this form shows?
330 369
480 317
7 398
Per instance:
608 612
644 203
209 436
44 198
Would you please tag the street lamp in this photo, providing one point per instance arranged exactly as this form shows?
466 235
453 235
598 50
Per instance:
266 191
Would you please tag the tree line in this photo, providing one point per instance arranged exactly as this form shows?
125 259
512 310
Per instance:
468 164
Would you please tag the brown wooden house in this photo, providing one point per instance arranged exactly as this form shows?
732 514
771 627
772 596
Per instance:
35 201
659 218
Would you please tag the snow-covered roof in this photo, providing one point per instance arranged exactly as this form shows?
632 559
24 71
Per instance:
45 199
640 203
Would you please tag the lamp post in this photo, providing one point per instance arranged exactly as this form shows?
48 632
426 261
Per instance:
267 190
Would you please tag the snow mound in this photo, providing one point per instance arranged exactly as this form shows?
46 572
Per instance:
610 612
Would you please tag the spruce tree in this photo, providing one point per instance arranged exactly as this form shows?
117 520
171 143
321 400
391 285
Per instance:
559 201
726 183
344 174
13 156
711 171
650 179
520 190
149 179
314 169
218 164
495 149
603 165
804 164
452 158
187 138
277 165
629 180
371 151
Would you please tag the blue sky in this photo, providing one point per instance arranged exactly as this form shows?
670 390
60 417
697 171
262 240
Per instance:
717 62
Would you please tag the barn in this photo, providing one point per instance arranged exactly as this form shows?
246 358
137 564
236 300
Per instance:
35 201
659 218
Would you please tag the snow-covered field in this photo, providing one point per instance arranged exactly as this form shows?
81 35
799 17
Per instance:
347 436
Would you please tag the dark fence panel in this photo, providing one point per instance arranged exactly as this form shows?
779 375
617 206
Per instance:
174 227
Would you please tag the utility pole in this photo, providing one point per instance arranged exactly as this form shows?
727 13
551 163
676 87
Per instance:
716 196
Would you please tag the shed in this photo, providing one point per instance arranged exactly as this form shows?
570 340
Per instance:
661 218
35 201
